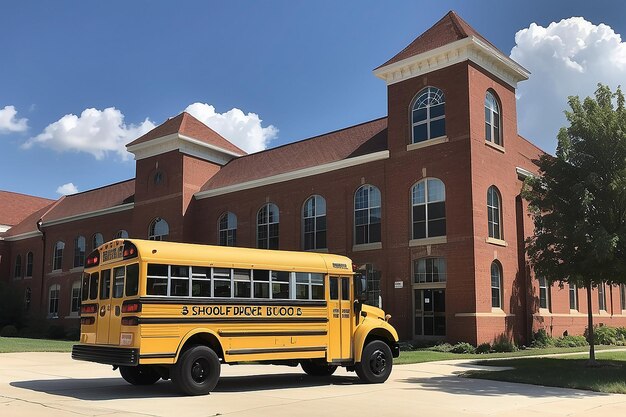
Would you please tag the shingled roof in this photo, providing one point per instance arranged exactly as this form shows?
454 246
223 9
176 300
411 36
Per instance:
342 144
15 207
187 125
450 28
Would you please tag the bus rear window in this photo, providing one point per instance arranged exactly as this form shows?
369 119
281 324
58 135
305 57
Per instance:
93 285
118 283
132 280
105 285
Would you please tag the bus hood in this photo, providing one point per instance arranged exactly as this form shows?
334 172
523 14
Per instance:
373 312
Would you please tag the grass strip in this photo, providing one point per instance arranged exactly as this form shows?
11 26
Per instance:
19 344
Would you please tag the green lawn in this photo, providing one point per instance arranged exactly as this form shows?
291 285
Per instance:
565 371
18 344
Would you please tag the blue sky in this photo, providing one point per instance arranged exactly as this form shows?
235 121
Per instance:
294 69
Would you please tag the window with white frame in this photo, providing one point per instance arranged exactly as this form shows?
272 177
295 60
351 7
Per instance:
492 119
601 297
367 215
227 229
544 293
57 256
428 116
267 227
494 213
79 251
573 297
159 229
496 284
314 223
121 234
29 264
96 241
429 270
53 300
622 295
428 208
17 272
75 298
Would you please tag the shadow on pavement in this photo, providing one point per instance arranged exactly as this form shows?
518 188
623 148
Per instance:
116 388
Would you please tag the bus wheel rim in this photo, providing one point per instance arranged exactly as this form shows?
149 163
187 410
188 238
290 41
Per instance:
200 370
378 362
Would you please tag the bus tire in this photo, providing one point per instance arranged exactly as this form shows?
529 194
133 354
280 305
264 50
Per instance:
317 368
197 371
139 375
376 363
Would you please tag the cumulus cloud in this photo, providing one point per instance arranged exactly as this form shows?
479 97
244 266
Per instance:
9 122
566 58
67 189
96 132
243 130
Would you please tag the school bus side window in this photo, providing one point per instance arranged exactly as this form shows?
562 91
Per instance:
280 285
221 282
243 288
261 278
157 279
93 285
200 281
309 286
132 279
180 281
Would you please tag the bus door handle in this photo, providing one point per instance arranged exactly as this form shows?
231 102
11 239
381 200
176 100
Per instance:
117 310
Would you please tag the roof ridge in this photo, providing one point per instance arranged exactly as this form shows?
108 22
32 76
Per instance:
26 195
100 188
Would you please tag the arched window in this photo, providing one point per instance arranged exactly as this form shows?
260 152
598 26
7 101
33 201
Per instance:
267 227
429 208
96 241
159 229
121 234
314 223
496 285
53 300
17 272
29 264
492 119
57 256
75 299
228 229
428 116
494 213
367 205
79 251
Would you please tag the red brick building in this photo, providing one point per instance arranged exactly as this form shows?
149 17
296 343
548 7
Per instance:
426 200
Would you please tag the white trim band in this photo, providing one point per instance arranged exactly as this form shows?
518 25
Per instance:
90 214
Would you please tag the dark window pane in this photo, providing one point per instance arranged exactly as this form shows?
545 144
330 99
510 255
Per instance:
93 286
317 292
436 111
345 289
261 275
282 276
156 286
180 288
321 240
419 230
132 279
496 134
374 233
437 228
419 213
242 289
334 289
261 290
436 210
309 241
419 115
495 297
201 288
105 285
302 292
157 270
320 223
420 133
440 326
429 326
361 235
280 291
221 288
487 132
437 128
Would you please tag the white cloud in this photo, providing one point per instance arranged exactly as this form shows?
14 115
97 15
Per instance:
9 123
243 130
97 132
567 58
67 189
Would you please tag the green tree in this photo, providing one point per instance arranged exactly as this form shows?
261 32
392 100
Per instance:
578 202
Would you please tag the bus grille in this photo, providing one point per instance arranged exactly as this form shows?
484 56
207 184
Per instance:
106 355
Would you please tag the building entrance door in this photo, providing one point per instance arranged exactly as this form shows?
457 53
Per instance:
430 312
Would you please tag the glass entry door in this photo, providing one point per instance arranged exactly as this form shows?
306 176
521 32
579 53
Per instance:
430 312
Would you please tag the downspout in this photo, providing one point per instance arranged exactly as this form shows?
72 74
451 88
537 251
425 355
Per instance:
43 265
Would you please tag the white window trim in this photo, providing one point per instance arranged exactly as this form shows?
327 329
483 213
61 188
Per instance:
314 217
365 246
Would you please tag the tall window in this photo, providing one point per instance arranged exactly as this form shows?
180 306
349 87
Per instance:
314 223
601 297
494 213
121 234
57 256
492 119
496 285
367 215
159 229
429 270
228 229
79 251
429 208
17 272
622 295
573 297
428 116
53 300
29 264
96 241
267 227
544 293
75 298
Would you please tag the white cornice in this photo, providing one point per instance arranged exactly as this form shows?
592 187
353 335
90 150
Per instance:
90 214
301 173
523 173
184 144
22 236
4 228
467 49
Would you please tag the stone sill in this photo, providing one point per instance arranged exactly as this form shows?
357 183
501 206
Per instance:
426 143
428 241
498 242
367 246
495 146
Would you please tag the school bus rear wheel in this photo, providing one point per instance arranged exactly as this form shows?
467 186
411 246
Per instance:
376 363
139 375
197 371
317 368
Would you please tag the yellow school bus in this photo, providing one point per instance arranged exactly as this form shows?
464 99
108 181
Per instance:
178 311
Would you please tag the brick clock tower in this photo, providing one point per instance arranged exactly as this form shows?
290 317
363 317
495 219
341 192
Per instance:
174 160
453 142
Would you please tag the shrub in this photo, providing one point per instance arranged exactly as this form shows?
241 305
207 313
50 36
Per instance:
621 334
55 331
541 339
463 347
8 331
603 335
570 341
502 343
483 348
443 347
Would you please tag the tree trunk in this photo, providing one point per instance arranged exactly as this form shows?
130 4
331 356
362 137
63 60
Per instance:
592 352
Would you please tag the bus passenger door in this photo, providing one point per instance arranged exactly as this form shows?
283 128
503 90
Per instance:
104 308
340 323
117 293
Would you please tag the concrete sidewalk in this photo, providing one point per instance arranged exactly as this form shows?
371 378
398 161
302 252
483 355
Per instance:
52 384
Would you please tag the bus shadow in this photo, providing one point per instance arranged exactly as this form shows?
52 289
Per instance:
98 389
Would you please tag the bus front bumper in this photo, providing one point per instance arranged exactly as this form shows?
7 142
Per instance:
109 355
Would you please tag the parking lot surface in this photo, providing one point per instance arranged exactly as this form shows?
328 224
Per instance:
52 384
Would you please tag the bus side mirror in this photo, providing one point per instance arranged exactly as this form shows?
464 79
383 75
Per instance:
360 288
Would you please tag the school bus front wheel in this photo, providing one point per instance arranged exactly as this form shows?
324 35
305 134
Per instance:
376 363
